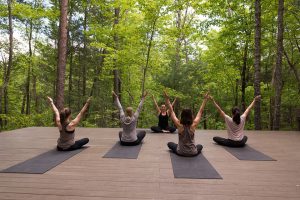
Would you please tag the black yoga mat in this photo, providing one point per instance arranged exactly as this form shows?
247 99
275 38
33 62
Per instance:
42 163
120 151
196 167
248 153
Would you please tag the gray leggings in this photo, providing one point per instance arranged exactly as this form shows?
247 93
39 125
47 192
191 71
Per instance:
140 137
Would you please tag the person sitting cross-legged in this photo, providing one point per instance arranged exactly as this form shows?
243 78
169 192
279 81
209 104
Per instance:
186 130
235 125
130 136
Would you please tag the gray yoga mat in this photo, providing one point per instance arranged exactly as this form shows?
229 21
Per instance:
120 151
43 162
248 153
196 167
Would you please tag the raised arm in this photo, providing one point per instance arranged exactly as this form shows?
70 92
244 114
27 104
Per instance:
257 98
138 110
199 114
56 112
156 106
76 121
173 103
218 107
118 104
171 111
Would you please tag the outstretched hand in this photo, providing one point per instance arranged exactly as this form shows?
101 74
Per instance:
89 99
145 94
50 100
258 97
206 96
166 95
114 94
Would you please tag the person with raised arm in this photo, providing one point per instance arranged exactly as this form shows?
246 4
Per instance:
130 136
186 130
235 125
66 126
163 118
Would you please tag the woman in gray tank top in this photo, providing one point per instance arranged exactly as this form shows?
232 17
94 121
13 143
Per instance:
66 127
186 130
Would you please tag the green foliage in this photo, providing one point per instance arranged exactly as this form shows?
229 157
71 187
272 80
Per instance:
200 51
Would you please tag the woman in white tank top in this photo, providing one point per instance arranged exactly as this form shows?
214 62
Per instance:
235 125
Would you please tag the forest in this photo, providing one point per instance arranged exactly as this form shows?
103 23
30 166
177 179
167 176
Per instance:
70 50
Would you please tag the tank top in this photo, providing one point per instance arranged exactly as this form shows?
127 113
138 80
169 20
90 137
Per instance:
66 138
186 143
163 121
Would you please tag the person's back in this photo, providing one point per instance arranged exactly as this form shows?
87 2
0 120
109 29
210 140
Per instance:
130 136
186 130
235 131
66 138
186 142
235 125
129 129
66 127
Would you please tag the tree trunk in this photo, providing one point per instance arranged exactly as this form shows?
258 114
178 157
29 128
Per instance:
177 47
4 87
117 82
62 51
84 58
28 99
257 114
148 55
278 68
244 68
236 92
70 75
70 53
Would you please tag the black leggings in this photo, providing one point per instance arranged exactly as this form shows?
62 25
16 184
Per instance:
140 137
78 144
173 146
157 129
230 143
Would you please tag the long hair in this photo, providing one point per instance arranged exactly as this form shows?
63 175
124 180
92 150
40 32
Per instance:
64 114
236 115
186 117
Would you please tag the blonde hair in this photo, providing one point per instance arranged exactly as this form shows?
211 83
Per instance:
129 111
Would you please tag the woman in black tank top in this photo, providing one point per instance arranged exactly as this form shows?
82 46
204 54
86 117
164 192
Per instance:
163 119
67 126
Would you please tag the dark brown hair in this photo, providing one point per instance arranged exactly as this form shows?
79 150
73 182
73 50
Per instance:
186 117
236 115
64 114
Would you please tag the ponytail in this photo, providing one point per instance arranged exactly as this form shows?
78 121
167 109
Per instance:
64 114
236 115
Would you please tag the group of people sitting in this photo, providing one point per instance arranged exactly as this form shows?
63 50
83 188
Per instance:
130 136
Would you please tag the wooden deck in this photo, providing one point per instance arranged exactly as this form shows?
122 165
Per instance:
88 176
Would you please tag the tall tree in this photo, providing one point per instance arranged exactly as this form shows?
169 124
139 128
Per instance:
117 82
277 77
4 87
62 53
257 115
